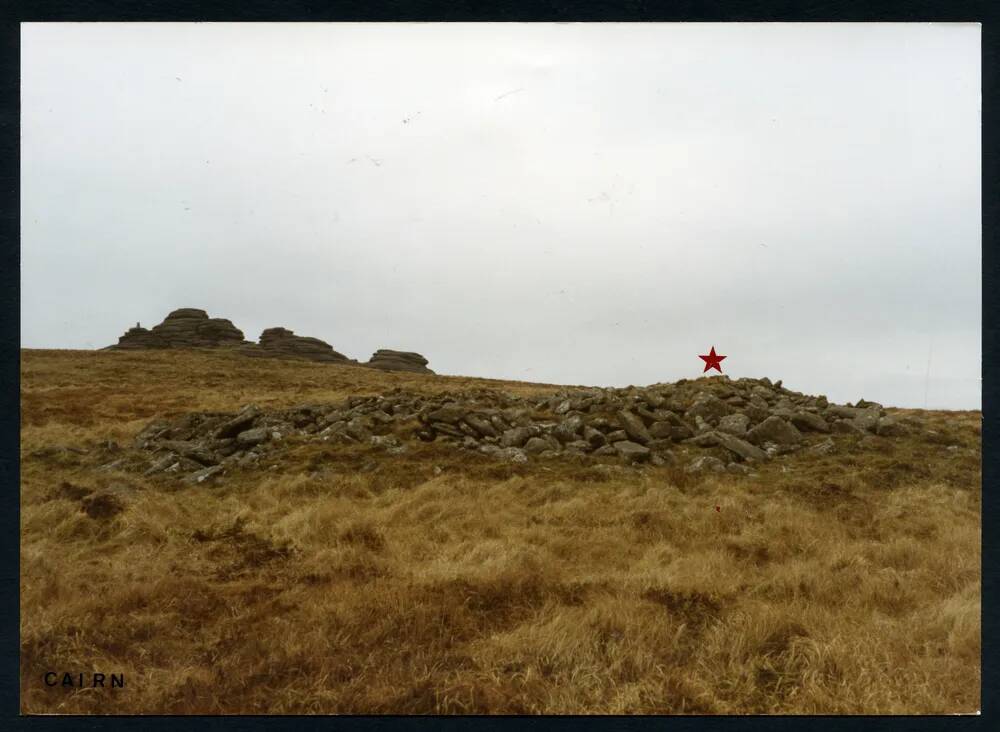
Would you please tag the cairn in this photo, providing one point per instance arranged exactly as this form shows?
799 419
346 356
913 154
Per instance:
710 424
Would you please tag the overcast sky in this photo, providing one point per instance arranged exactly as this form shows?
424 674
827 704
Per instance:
570 203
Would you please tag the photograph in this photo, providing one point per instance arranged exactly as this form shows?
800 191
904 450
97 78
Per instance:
499 368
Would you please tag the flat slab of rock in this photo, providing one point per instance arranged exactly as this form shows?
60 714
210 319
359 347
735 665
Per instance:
706 463
537 445
734 424
708 407
451 413
774 429
253 436
867 420
202 476
243 420
634 427
516 436
810 422
739 447
846 427
632 451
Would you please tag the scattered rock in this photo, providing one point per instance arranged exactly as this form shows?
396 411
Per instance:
536 446
738 447
253 436
568 429
705 463
774 429
844 412
160 464
757 409
516 436
734 424
846 427
709 408
632 451
451 413
634 428
705 439
204 475
482 425
867 420
825 447
810 422
513 455
243 420
663 458
594 438
359 428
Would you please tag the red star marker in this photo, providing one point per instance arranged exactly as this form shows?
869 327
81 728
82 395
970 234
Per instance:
712 361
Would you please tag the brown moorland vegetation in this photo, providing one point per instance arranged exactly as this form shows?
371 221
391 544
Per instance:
429 582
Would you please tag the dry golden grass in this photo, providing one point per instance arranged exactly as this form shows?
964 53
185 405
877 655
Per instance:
433 582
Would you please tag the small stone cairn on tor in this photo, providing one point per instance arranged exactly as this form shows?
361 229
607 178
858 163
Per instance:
183 328
138 338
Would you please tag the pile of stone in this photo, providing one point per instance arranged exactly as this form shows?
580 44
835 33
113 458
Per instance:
709 424
283 343
388 360
183 328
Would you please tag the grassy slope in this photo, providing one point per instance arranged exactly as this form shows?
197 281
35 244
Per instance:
434 582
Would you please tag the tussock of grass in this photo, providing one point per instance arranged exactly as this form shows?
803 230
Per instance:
437 582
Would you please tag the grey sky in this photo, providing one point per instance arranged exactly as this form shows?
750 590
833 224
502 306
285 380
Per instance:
571 203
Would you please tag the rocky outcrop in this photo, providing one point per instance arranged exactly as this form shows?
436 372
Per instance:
388 360
192 328
283 343
184 328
